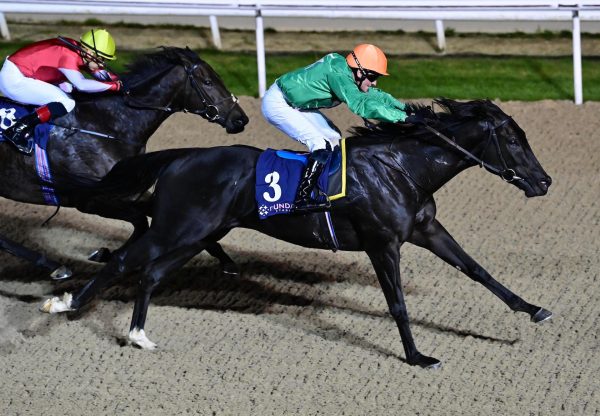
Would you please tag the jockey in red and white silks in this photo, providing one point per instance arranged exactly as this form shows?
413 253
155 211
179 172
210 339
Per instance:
43 73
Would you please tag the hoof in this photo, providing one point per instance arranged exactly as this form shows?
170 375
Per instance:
138 337
230 270
56 304
102 255
541 316
423 361
63 272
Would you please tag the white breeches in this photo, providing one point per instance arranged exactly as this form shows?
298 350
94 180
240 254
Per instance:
309 127
18 87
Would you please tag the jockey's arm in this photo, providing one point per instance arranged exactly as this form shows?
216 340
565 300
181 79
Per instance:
84 84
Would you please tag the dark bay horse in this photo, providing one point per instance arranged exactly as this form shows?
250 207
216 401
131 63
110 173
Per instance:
156 85
392 173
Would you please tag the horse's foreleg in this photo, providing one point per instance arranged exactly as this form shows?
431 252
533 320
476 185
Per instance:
58 271
129 211
140 226
386 262
434 237
119 265
153 273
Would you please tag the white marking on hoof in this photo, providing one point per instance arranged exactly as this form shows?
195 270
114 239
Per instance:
56 304
139 338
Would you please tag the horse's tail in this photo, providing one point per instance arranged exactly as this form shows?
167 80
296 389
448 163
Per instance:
128 177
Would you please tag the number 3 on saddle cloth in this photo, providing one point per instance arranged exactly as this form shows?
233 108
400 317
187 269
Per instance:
278 174
10 112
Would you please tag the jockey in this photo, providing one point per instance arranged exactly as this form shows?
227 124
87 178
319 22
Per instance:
292 105
43 72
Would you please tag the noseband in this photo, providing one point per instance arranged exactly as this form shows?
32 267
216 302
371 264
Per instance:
507 174
210 110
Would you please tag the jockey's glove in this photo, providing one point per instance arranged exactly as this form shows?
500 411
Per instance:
104 75
114 85
415 118
420 116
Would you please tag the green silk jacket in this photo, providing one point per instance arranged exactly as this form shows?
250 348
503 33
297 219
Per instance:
329 82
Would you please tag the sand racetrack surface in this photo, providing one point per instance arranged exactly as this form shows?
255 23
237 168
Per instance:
307 332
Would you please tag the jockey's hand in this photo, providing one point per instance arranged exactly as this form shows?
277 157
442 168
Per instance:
415 118
102 75
114 85
420 116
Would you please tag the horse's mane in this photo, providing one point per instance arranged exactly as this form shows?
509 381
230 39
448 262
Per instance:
147 65
453 112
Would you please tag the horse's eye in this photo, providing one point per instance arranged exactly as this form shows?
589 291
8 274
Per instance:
208 82
512 140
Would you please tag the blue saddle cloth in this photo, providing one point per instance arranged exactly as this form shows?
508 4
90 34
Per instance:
11 111
278 174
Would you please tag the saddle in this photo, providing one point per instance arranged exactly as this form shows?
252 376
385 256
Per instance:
278 174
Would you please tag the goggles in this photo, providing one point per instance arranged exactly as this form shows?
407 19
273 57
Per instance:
370 75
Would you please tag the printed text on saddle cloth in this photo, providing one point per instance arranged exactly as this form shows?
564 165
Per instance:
276 184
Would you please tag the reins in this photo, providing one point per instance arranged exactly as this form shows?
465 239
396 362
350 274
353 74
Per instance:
506 173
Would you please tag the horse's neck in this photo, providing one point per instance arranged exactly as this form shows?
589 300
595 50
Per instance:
131 126
432 163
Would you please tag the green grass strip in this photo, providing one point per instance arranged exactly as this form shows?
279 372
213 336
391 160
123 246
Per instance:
459 77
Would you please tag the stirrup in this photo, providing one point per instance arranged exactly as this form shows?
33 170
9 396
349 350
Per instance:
311 205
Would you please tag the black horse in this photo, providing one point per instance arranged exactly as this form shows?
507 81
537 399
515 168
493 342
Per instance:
392 173
156 85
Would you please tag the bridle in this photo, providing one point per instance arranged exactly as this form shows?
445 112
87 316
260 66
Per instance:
210 111
507 174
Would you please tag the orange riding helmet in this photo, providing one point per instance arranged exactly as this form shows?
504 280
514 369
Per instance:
369 57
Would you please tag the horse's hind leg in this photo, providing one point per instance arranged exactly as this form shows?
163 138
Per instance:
58 271
153 273
228 266
434 237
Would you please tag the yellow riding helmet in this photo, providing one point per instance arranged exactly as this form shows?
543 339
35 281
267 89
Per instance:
369 57
101 42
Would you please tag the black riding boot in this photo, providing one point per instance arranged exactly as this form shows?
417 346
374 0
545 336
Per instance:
304 201
20 134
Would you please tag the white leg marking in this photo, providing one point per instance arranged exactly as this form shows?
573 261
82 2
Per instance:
56 304
138 337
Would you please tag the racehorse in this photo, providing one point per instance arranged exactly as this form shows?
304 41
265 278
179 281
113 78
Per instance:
156 85
392 172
